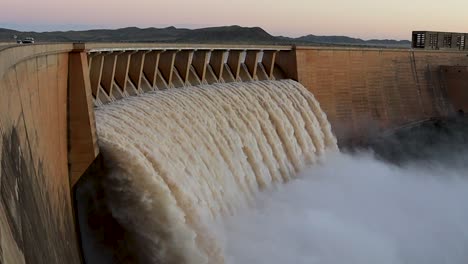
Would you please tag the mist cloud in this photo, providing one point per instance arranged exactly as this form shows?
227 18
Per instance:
355 209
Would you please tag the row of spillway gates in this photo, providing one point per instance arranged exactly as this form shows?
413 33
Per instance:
117 73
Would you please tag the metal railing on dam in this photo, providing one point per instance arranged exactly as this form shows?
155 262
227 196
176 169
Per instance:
48 94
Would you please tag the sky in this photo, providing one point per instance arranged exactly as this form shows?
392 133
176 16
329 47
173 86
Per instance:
393 19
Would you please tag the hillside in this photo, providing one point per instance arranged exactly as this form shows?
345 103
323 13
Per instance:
228 34
351 41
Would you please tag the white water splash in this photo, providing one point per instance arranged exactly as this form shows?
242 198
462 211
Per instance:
356 210
182 159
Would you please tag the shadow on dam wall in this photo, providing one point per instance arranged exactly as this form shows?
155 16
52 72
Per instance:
103 239
36 217
24 200
439 141
43 115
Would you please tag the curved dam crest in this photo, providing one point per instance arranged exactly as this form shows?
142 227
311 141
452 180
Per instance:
180 160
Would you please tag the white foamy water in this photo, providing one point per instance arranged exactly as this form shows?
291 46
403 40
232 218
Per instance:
356 210
248 173
184 159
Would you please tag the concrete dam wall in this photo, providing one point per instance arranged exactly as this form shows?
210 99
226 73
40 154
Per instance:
36 217
366 91
47 129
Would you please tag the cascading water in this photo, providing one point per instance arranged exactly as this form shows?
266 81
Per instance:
183 159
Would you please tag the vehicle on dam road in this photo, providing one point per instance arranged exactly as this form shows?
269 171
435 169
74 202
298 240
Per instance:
25 41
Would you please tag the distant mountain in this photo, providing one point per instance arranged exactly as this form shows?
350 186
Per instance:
353 41
227 34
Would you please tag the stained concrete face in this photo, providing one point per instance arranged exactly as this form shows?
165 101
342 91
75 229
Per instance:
367 91
25 204
36 218
455 79
82 139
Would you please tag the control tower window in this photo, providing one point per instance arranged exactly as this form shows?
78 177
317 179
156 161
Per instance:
447 40
461 42
419 40
433 41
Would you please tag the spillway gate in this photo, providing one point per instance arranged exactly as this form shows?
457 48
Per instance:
119 72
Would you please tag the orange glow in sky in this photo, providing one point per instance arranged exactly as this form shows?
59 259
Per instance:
359 18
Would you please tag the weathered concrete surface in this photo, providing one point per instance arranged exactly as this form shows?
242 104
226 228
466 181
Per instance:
456 80
364 91
6 44
36 218
82 139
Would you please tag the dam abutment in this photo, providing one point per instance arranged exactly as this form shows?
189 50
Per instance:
36 218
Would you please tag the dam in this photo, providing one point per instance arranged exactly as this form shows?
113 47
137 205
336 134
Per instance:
53 94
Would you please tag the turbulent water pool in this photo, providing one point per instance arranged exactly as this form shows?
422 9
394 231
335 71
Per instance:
251 173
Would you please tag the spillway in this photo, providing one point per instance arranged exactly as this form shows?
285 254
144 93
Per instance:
182 159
